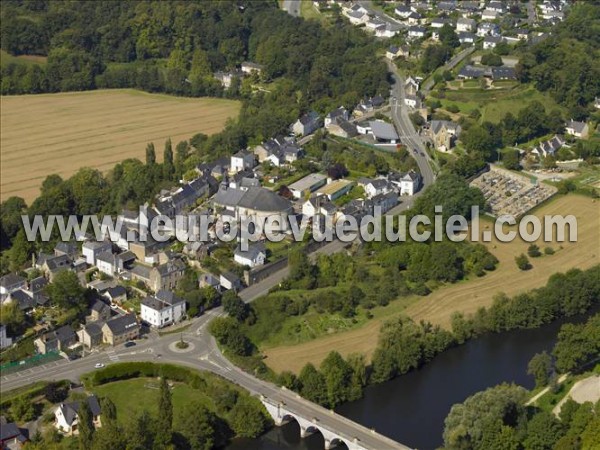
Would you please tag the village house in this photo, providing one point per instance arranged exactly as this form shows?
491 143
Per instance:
383 132
99 311
209 280
11 436
116 295
163 309
549 147
66 416
69 249
120 329
384 201
254 256
489 14
166 276
414 18
248 68
412 101
242 160
307 185
411 86
387 30
10 283
335 189
577 129
444 134
91 250
336 115
374 187
394 52
466 38
318 205
416 32
403 11
307 124
56 341
465 25
51 265
488 29
490 42
226 78
344 129
230 281
90 334
438 23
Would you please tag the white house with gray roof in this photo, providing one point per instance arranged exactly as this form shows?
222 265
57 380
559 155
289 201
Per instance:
162 309
255 255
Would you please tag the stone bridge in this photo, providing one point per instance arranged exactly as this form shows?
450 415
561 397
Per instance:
336 429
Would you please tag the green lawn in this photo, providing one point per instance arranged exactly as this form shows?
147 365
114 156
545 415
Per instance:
133 396
6 58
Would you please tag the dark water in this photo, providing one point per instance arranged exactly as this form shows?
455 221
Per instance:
411 409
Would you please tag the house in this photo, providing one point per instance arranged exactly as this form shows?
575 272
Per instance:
488 14
163 309
50 265
66 415
249 68
99 311
336 115
90 334
209 280
411 86
66 248
503 73
466 38
107 263
356 17
465 25
385 201
368 105
523 34
394 52
375 187
387 30
469 72
416 32
307 185
488 29
242 160
403 11
36 290
307 124
549 147
21 298
91 250
267 148
56 340
11 436
254 256
414 18
10 283
490 42
577 129
438 23
335 189
410 183
373 23
120 329
318 205
496 6
412 101
226 78
447 6
5 341
230 281
383 132
444 134
167 275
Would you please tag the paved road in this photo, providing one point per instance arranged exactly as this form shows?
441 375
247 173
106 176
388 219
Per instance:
375 11
292 7
407 131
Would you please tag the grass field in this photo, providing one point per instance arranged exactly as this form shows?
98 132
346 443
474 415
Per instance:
495 103
145 391
468 295
60 133
6 58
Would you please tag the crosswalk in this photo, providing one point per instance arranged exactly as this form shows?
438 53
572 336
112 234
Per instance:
112 355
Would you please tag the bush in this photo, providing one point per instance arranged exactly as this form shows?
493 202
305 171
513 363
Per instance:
523 262
549 251
534 251
453 108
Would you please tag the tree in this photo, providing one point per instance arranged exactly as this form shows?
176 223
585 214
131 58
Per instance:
534 251
448 36
109 412
10 219
235 306
543 430
523 262
140 434
164 423
12 317
510 159
150 154
168 167
313 385
86 425
540 367
577 345
22 409
198 425
491 59
247 418
338 376
66 291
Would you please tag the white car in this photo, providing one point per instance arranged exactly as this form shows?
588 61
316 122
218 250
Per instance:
99 366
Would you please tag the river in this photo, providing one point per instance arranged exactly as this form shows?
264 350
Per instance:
411 409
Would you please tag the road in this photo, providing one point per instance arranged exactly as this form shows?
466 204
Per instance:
406 129
292 7
374 11
531 13
450 64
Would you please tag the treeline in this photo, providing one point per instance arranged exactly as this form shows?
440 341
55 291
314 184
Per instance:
405 345
566 64
497 418
176 46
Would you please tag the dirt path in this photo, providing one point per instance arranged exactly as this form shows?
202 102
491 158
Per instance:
586 390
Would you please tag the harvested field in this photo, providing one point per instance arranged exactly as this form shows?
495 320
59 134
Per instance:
60 133
469 295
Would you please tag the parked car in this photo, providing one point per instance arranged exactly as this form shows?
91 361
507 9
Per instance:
129 344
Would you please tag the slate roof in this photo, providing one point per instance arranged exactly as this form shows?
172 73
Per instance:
70 409
578 127
254 249
37 284
94 328
503 72
116 291
11 280
122 324
168 297
383 130
99 306
23 299
308 118
9 431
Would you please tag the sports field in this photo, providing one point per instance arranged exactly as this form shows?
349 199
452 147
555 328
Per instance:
60 133
469 295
